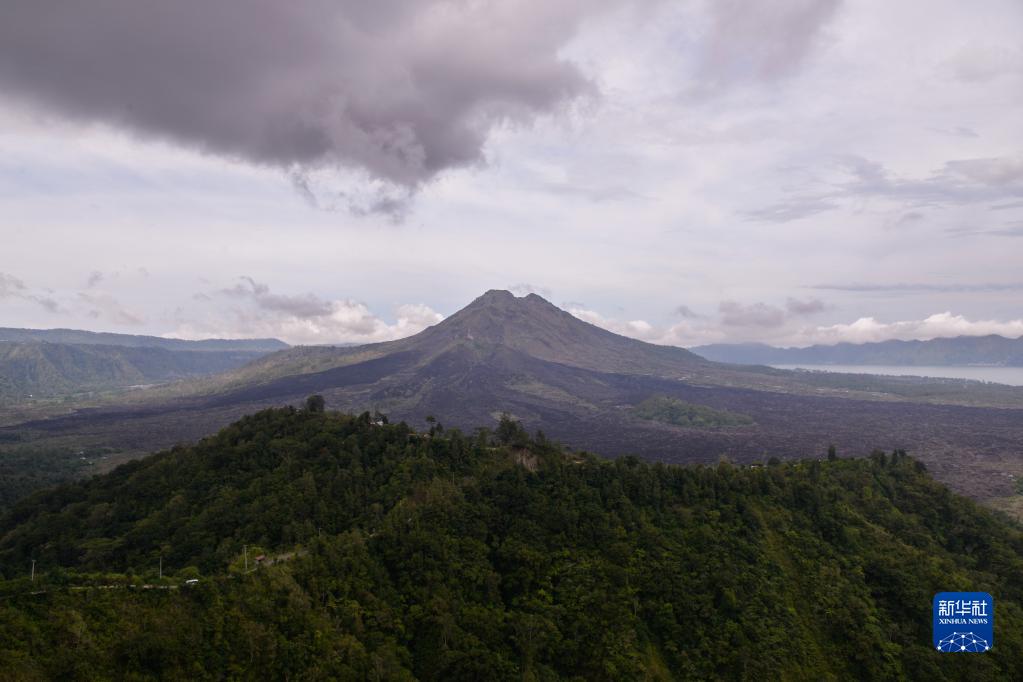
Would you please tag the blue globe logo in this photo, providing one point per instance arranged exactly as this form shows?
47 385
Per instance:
959 642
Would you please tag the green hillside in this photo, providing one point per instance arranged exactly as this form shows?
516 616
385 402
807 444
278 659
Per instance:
43 369
680 413
397 555
81 337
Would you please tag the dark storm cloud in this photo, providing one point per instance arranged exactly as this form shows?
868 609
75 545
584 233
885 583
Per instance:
12 287
48 304
399 89
303 307
735 314
300 181
395 205
810 306
686 312
909 218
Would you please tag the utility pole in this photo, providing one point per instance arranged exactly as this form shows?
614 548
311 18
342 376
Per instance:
245 553
33 578
161 567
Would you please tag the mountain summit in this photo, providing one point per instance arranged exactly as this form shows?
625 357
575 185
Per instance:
533 326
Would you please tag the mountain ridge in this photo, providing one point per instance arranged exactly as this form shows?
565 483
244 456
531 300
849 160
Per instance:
988 350
84 337
43 369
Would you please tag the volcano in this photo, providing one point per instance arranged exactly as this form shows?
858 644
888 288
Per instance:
499 322
587 387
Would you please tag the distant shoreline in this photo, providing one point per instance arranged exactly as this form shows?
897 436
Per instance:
1011 376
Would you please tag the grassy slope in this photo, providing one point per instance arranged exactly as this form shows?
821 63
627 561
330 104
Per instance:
680 413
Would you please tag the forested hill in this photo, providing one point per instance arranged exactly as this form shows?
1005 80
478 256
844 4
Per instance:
42 369
82 337
391 554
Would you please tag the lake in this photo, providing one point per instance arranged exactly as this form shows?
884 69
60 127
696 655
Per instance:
1012 376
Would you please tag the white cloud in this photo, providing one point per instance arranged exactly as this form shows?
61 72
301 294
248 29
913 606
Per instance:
524 288
637 329
868 329
414 318
303 319
779 332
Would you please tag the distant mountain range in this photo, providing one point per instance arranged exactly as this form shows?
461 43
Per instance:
580 384
80 337
41 363
990 350
38 370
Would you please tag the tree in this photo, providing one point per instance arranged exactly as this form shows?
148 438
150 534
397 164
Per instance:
510 432
315 403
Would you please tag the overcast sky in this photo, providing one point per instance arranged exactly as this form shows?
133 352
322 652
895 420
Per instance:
787 171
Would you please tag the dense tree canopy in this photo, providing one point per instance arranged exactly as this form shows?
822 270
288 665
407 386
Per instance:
392 554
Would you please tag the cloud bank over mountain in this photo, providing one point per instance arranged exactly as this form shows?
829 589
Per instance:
255 311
